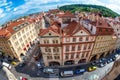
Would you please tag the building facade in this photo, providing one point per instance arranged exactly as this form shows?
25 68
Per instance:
18 36
50 44
71 45
116 26
105 38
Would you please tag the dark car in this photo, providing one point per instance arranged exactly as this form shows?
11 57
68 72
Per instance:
93 63
109 60
22 64
113 58
79 71
100 65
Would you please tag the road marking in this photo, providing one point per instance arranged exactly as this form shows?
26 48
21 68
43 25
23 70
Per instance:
53 78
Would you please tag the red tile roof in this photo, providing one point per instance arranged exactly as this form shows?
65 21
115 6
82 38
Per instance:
9 29
73 28
54 28
66 14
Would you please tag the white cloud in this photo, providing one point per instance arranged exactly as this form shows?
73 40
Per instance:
2 14
38 5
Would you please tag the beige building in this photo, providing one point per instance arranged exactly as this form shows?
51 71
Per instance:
18 36
103 46
105 40
116 26
50 44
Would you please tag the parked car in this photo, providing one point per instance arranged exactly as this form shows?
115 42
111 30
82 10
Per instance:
66 73
93 63
39 66
79 71
13 63
48 70
92 68
23 78
116 55
109 60
7 65
22 64
113 58
101 65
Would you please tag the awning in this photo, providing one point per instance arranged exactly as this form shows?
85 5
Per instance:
27 45
24 49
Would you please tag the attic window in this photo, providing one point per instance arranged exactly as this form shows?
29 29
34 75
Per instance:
15 28
81 32
50 34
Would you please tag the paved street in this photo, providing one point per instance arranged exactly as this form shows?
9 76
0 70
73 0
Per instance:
100 72
31 71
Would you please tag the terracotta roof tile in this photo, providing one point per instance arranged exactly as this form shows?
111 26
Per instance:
66 14
54 27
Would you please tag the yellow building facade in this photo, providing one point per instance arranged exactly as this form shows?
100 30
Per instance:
18 36
104 45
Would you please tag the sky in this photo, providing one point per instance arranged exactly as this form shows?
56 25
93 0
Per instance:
12 9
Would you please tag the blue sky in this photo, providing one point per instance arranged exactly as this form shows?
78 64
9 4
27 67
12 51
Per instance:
11 9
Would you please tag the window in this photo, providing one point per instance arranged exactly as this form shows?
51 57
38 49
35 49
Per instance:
73 48
23 45
91 28
79 48
19 49
20 39
14 37
24 36
55 41
83 54
100 30
117 29
19 34
23 31
46 41
67 39
49 50
26 28
72 56
80 39
56 57
66 57
74 39
55 49
16 43
106 29
87 38
77 55
89 46
49 57
67 48
46 50
87 54
85 46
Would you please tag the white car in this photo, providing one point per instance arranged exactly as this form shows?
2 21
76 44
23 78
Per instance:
48 70
66 73
39 66
116 55
7 65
